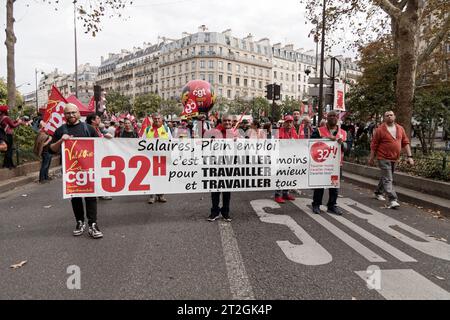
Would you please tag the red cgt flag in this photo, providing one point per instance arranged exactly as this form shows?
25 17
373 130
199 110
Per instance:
54 113
146 123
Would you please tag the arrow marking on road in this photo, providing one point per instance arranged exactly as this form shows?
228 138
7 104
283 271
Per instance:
429 245
309 253
351 242
406 284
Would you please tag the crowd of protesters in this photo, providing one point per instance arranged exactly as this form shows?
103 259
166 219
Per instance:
292 126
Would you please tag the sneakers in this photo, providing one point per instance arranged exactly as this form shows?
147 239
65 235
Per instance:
79 229
335 210
95 232
213 217
289 197
162 199
226 217
151 200
380 197
316 209
393 204
279 200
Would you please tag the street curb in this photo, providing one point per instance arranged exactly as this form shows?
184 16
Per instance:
16 182
405 195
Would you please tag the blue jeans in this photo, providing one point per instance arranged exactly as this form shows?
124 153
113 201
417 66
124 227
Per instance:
45 166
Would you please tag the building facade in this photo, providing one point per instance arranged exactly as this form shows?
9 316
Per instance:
66 84
236 68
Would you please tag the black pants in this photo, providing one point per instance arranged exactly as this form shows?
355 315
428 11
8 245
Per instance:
215 197
91 209
8 161
332 199
45 166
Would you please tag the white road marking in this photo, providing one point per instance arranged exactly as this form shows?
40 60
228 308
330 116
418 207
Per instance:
237 275
310 252
406 284
429 245
371 256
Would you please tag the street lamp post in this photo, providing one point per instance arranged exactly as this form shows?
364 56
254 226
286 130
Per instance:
322 57
36 71
75 37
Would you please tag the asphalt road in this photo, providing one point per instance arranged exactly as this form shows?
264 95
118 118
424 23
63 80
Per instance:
170 251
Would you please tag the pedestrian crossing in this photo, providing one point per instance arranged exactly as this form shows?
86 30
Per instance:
402 283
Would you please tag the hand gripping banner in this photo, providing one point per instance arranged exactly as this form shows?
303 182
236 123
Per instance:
118 167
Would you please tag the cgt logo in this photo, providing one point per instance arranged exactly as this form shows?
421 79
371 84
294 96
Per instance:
80 178
79 166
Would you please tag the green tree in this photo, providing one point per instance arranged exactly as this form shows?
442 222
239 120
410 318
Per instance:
117 102
431 111
290 105
170 107
237 106
260 106
146 104
90 12
403 20
375 91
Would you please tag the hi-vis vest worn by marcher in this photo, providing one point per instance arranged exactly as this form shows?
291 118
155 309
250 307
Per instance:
325 133
160 133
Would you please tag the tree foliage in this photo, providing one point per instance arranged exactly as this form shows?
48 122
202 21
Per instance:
170 108
91 12
375 91
431 111
144 105
406 21
117 102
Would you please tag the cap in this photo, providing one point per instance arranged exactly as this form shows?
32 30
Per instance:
4 109
288 118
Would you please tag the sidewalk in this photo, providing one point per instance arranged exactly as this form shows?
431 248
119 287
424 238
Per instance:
404 194
24 174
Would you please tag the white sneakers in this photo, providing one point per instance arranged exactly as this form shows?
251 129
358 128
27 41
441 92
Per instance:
393 205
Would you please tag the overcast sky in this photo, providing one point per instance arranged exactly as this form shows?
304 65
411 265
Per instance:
45 37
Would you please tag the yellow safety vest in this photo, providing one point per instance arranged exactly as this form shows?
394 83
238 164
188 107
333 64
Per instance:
162 133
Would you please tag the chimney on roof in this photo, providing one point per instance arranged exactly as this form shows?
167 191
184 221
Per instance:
102 59
289 47
227 32
202 28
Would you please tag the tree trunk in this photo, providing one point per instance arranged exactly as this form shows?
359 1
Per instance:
10 42
408 27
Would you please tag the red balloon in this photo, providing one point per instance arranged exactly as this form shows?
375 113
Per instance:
198 97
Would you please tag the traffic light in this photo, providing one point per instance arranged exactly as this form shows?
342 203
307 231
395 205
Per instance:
97 97
276 91
269 92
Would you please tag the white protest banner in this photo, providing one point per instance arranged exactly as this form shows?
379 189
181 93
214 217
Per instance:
100 167
339 96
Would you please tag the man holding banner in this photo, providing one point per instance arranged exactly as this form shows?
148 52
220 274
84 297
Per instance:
224 131
75 128
158 131
332 132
